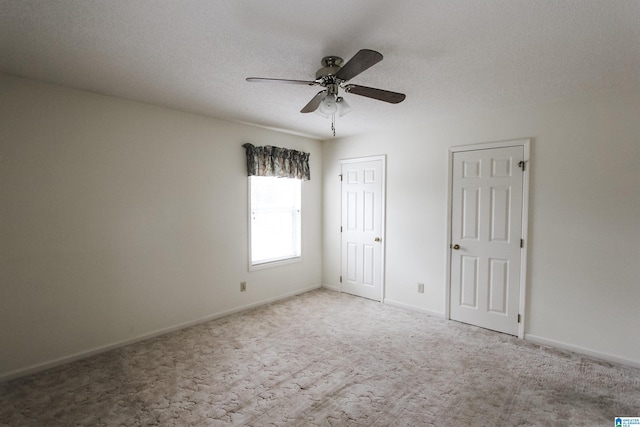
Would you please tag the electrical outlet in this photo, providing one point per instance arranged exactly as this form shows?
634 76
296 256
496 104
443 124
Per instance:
243 286
421 288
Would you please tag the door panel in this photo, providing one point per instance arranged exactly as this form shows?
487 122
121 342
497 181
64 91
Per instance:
470 216
369 265
498 280
362 213
469 281
500 214
486 227
351 274
369 211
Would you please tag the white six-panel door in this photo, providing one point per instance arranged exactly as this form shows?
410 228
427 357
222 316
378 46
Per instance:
486 231
362 227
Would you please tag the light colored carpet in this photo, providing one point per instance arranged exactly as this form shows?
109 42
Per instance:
327 359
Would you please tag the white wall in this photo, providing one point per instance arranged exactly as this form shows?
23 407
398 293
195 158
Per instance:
119 220
584 229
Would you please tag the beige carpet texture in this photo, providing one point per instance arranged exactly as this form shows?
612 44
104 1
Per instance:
327 359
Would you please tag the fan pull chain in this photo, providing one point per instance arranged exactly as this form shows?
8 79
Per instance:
333 124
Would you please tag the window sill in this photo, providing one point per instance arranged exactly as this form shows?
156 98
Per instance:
276 263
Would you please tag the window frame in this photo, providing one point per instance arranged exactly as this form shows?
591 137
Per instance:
279 261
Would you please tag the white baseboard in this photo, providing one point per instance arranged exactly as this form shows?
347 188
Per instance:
331 287
11 375
581 350
413 308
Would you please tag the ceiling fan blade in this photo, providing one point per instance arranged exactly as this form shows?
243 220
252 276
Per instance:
362 60
379 94
286 81
314 103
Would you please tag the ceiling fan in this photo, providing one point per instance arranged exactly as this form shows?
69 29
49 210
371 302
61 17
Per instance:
334 76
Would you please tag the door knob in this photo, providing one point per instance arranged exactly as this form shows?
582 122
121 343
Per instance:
377 239
456 247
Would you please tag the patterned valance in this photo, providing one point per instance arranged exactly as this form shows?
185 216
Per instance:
275 161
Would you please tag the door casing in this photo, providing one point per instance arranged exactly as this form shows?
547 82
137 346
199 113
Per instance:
525 144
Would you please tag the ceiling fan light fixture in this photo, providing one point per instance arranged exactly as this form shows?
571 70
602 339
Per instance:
328 107
343 107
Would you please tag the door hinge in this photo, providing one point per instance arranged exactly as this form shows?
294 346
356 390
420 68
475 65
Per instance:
340 177
519 318
341 229
523 165
340 279
522 243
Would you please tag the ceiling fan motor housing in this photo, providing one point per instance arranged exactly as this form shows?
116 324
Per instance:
330 66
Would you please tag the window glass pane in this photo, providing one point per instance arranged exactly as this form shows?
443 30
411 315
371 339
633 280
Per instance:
275 219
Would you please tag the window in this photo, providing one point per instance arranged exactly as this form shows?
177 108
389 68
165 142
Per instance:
275 187
275 220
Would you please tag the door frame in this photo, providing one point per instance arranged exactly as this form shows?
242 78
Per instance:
525 144
383 159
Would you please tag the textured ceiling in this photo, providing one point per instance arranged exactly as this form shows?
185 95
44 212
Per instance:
449 57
